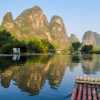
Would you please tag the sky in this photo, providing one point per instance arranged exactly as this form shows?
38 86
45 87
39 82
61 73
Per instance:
78 15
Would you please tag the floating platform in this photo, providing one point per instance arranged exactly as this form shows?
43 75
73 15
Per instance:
87 88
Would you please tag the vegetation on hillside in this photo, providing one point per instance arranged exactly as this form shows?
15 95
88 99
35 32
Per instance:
75 47
87 49
96 49
8 42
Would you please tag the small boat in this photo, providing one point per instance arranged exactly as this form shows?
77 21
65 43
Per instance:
16 50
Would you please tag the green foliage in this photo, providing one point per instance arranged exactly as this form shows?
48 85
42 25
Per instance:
1 28
96 49
4 38
40 46
7 43
76 46
8 47
87 49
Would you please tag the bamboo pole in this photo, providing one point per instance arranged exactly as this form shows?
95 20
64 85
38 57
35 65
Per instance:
79 92
94 94
84 92
74 95
89 93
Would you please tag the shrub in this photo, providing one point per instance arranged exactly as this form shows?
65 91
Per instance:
7 43
87 49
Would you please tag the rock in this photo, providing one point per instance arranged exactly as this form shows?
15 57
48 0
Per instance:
9 24
91 38
58 32
32 23
73 38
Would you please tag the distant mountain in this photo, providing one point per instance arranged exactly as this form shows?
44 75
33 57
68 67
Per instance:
30 23
91 38
74 38
58 32
9 24
33 23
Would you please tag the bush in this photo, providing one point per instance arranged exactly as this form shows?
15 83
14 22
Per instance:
40 46
75 47
7 43
87 49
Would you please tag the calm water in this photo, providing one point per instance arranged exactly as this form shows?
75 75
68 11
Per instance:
43 77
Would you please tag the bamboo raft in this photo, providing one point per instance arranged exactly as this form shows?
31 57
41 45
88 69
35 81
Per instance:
87 88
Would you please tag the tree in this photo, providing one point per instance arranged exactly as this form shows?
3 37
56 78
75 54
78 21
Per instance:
87 49
7 43
76 46
5 37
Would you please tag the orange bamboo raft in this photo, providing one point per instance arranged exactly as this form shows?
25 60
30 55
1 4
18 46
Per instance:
87 88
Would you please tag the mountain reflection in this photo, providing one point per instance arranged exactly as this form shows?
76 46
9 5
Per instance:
30 73
57 68
91 64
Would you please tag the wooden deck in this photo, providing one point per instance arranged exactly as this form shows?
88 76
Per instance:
87 88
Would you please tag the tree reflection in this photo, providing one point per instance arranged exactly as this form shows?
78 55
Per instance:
90 64
57 69
30 73
6 78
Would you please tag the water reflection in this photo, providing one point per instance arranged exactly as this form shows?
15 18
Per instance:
16 57
30 73
57 69
91 64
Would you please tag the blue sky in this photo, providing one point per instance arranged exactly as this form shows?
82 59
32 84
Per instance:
78 15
